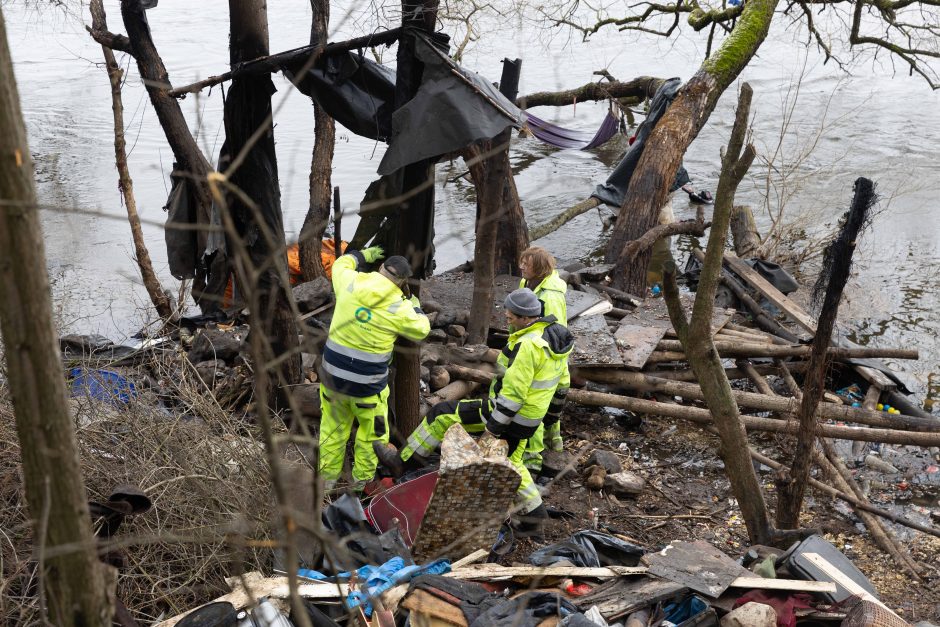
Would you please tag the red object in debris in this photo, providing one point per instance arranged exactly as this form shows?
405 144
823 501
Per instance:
577 589
632 139
403 505
932 469
377 487
902 485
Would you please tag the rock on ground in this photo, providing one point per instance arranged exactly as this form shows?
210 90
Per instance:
751 615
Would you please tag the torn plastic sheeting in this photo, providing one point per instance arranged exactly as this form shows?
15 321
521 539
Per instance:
452 109
591 549
612 192
355 91
346 518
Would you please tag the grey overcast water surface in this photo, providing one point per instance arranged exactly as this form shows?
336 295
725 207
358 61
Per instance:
873 123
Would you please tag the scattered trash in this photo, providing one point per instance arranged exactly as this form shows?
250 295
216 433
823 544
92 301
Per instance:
102 385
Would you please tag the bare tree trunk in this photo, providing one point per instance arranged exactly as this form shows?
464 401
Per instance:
151 283
78 589
255 205
838 263
416 216
696 336
649 187
321 165
488 176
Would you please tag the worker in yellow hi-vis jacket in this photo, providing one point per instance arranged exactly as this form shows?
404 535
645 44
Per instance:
539 275
532 368
372 310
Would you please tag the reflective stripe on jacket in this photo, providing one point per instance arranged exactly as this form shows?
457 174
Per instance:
370 313
532 366
551 291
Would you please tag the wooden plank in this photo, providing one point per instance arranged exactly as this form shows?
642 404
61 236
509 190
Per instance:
271 587
771 293
617 598
876 378
494 572
423 602
578 303
474 557
842 579
795 585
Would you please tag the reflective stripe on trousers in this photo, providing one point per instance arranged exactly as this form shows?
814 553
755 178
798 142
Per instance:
527 496
338 414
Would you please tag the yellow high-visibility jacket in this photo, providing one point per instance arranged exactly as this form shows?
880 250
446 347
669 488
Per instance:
551 291
371 313
532 367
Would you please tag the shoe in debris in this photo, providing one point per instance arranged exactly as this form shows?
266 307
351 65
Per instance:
389 457
531 525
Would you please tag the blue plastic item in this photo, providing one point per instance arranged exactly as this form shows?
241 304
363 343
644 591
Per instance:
374 580
103 385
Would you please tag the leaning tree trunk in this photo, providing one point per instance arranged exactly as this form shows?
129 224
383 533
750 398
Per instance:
679 126
324 139
75 584
696 336
499 221
255 205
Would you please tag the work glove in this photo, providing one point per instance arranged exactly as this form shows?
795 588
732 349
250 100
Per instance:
373 254
491 446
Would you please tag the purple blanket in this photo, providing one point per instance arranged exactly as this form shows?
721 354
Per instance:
565 138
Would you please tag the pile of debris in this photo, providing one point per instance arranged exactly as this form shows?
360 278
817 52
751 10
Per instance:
590 579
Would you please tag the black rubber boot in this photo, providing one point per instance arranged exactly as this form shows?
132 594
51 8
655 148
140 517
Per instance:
389 457
532 525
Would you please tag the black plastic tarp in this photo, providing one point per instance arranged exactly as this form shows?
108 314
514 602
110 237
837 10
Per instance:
590 549
613 191
453 108
356 92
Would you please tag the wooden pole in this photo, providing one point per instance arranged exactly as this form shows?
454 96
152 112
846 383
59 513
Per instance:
839 255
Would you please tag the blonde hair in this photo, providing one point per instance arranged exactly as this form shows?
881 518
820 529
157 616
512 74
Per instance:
542 261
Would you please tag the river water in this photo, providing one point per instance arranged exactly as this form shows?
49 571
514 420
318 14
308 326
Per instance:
869 122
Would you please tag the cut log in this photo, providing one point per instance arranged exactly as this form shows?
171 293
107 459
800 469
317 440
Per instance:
744 231
752 423
740 349
647 383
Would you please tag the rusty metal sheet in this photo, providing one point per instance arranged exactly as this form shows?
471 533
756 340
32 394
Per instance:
697 565
593 344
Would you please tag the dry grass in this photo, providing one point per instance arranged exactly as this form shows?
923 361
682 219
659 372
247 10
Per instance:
205 471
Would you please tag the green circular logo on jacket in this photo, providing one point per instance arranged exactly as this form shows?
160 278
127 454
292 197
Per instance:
363 314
